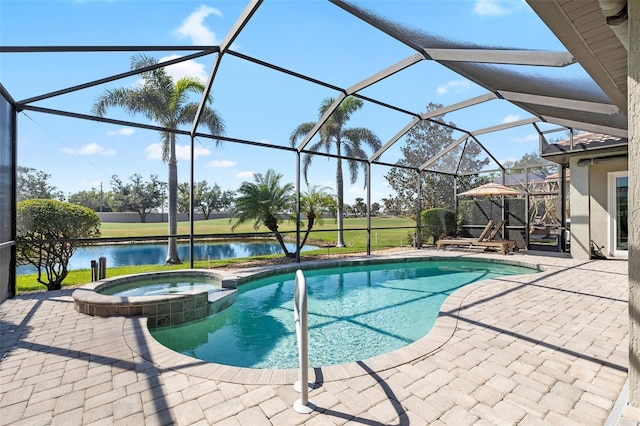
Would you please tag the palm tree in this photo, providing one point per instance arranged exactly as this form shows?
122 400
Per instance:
315 203
347 141
266 202
165 103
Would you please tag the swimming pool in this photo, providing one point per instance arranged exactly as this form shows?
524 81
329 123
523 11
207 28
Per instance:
355 312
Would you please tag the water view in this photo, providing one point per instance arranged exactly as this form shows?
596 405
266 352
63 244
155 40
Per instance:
148 254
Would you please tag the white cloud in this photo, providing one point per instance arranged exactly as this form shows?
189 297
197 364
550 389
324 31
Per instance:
154 151
245 175
183 152
24 140
89 149
90 184
221 163
511 118
529 138
189 68
456 86
490 8
192 27
331 184
125 131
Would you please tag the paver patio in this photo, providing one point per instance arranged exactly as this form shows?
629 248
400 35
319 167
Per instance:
548 348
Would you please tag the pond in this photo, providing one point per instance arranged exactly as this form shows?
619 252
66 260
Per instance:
149 254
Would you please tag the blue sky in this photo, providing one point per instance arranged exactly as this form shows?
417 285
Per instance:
315 38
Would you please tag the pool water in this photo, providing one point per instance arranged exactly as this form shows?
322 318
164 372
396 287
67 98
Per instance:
355 313
156 287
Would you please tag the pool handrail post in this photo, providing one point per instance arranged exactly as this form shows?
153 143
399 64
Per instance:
303 405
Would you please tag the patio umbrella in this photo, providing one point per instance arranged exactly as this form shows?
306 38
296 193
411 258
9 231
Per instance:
490 190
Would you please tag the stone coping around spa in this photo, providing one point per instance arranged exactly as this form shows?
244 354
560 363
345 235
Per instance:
164 309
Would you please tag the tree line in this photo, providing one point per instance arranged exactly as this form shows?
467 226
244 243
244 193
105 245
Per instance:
135 195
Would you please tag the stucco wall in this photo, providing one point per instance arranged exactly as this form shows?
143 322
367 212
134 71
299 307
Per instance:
598 183
579 199
5 276
589 205
634 202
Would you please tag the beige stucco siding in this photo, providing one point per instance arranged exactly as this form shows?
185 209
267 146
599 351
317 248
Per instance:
589 205
579 199
599 183
634 202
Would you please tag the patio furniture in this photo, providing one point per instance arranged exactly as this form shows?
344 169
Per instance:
491 241
465 241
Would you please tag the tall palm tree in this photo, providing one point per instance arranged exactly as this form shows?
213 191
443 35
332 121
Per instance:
167 104
347 142
266 202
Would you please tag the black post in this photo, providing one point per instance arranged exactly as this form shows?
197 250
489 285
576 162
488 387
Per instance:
298 206
94 270
418 239
563 208
102 268
368 209
191 205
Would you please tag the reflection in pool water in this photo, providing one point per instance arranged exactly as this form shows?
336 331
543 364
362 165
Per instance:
355 312
149 254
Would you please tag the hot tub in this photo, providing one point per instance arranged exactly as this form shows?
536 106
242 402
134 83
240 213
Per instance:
166 298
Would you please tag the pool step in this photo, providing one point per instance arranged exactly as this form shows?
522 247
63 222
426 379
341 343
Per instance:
221 300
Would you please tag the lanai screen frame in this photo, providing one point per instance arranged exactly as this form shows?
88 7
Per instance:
570 111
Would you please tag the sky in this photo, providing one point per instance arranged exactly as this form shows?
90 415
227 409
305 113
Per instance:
312 37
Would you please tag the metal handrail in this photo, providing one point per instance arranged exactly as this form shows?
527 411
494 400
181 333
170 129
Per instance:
303 405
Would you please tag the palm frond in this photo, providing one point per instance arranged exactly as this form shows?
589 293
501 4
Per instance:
213 121
300 132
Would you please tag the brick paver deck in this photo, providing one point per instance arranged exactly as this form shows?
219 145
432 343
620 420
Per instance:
549 348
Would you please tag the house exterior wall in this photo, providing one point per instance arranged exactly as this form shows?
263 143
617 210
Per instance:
579 198
589 195
599 184
634 202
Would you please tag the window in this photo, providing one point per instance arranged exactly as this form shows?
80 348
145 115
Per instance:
618 213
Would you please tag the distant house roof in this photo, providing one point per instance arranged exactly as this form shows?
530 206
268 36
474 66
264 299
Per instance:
556 176
582 143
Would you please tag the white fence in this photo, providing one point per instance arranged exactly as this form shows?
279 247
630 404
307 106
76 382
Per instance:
132 217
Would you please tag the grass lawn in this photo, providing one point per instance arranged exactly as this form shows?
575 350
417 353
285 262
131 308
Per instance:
223 226
386 232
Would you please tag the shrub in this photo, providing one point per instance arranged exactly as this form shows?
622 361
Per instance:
438 222
47 231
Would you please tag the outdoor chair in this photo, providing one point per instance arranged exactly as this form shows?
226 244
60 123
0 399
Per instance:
490 241
462 241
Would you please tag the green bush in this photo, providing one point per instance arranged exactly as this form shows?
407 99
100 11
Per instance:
47 233
438 222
